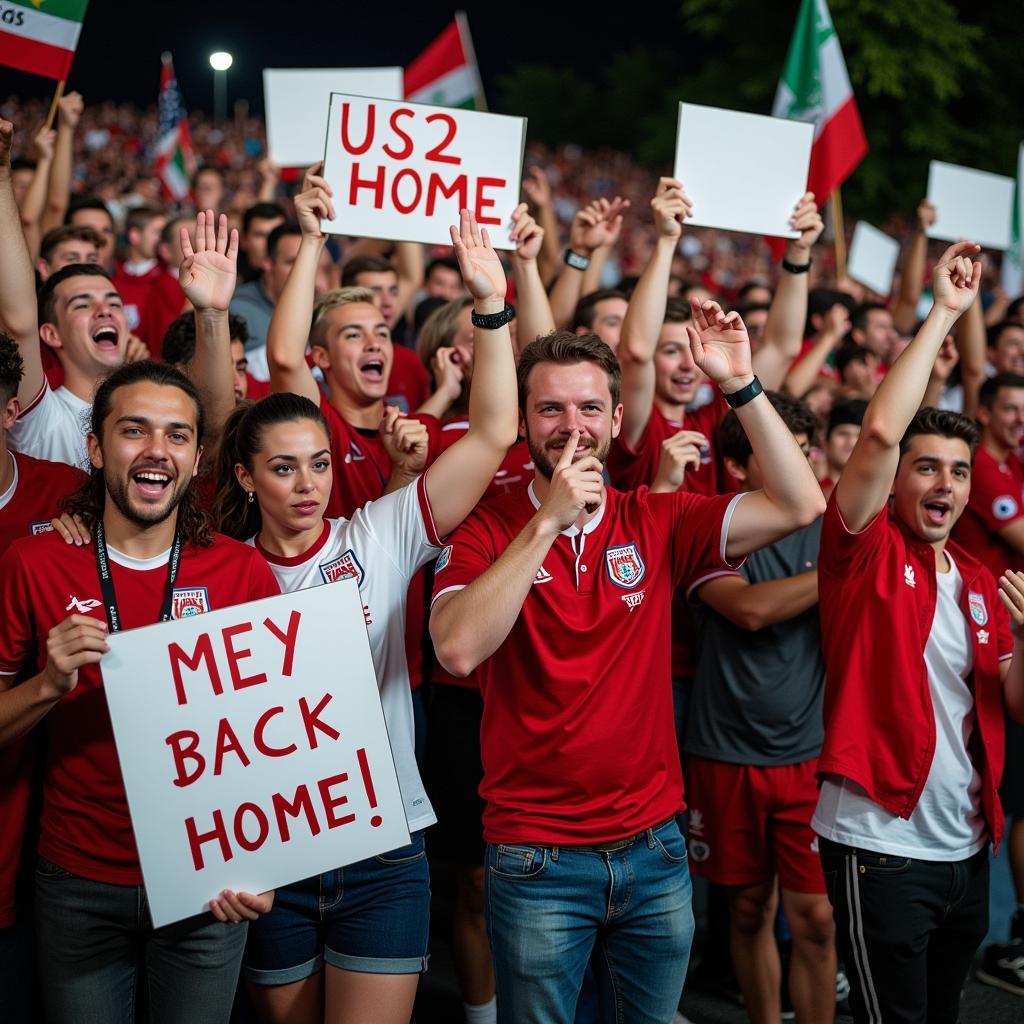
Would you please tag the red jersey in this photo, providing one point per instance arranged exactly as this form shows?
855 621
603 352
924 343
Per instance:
996 501
135 290
164 304
361 471
877 595
85 826
578 740
409 384
629 468
26 508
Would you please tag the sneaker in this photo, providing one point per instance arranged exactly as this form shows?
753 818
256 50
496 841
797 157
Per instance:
1003 967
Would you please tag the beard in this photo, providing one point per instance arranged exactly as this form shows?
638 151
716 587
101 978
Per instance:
545 456
117 491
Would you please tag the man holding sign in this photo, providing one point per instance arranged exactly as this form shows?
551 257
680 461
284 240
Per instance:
559 594
152 552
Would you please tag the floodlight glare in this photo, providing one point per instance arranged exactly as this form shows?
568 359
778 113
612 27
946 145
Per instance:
221 61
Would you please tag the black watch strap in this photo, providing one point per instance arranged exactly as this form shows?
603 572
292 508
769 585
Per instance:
744 395
796 268
492 321
576 261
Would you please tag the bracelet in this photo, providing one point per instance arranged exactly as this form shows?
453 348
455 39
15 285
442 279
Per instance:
575 260
492 321
744 395
796 268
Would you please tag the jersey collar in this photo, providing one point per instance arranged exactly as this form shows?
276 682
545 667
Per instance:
574 530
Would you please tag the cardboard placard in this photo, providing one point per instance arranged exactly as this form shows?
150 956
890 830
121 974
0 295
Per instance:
253 747
970 205
296 102
744 172
872 259
403 170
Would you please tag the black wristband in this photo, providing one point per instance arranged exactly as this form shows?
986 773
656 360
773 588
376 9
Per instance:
575 260
492 321
796 268
744 395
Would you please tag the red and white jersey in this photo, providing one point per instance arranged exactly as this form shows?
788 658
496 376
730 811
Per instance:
53 427
578 740
26 508
85 826
382 546
996 501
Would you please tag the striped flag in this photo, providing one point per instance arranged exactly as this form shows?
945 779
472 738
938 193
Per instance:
1013 259
815 87
40 36
445 73
174 161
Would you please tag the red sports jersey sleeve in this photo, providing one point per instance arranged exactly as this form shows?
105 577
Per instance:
995 492
844 554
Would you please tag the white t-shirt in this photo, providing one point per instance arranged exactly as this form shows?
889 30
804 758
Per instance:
383 545
53 427
947 823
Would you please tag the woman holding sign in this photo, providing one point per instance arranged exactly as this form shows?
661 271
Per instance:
367 922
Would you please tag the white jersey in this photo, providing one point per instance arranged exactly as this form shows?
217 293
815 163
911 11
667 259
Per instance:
382 545
53 427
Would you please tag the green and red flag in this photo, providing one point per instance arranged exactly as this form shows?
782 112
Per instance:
445 73
815 87
40 36
174 162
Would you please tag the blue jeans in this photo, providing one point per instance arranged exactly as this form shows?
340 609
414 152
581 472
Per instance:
93 939
550 907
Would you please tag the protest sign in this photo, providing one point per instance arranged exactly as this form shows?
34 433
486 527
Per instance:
253 746
296 102
744 172
872 259
969 204
403 170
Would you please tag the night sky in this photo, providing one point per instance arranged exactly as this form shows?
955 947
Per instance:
118 54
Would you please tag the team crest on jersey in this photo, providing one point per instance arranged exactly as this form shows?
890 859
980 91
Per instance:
543 576
443 559
41 527
976 603
188 602
699 850
345 566
1004 507
354 454
625 566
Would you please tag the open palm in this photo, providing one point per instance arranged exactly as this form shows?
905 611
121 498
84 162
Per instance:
719 342
481 269
208 272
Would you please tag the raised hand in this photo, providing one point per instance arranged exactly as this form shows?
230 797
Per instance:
719 344
671 207
448 374
43 142
807 220
405 440
957 278
528 235
77 641
679 453
208 272
71 106
482 272
313 203
596 224
926 215
536 187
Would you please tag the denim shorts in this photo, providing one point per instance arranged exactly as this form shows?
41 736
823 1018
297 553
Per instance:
372 917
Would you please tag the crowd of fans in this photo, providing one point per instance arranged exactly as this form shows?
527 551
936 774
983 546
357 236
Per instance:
587 638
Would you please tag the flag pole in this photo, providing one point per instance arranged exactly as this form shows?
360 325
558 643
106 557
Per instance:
462 23
57 93
838 232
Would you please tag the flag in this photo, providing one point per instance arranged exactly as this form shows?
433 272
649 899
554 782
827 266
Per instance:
40 36
1013 259
815 87
174 162
445 73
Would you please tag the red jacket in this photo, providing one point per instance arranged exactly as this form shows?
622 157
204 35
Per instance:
877 595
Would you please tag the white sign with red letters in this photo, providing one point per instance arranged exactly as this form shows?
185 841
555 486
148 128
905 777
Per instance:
403 170
253 746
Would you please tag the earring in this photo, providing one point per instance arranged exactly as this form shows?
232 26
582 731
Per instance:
252 497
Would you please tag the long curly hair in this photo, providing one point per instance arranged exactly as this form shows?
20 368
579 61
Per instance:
87 502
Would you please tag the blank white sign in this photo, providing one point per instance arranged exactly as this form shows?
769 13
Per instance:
972 205
297 100
744 172
872 259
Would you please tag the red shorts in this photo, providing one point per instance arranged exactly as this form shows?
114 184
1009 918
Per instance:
748 824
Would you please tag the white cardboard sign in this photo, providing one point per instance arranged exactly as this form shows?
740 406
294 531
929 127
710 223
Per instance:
872 259
744 172
253 747
969 204
296 101
403 170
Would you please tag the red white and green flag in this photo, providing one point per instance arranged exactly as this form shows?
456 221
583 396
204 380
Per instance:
174 162
815 87
445 73
40 36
